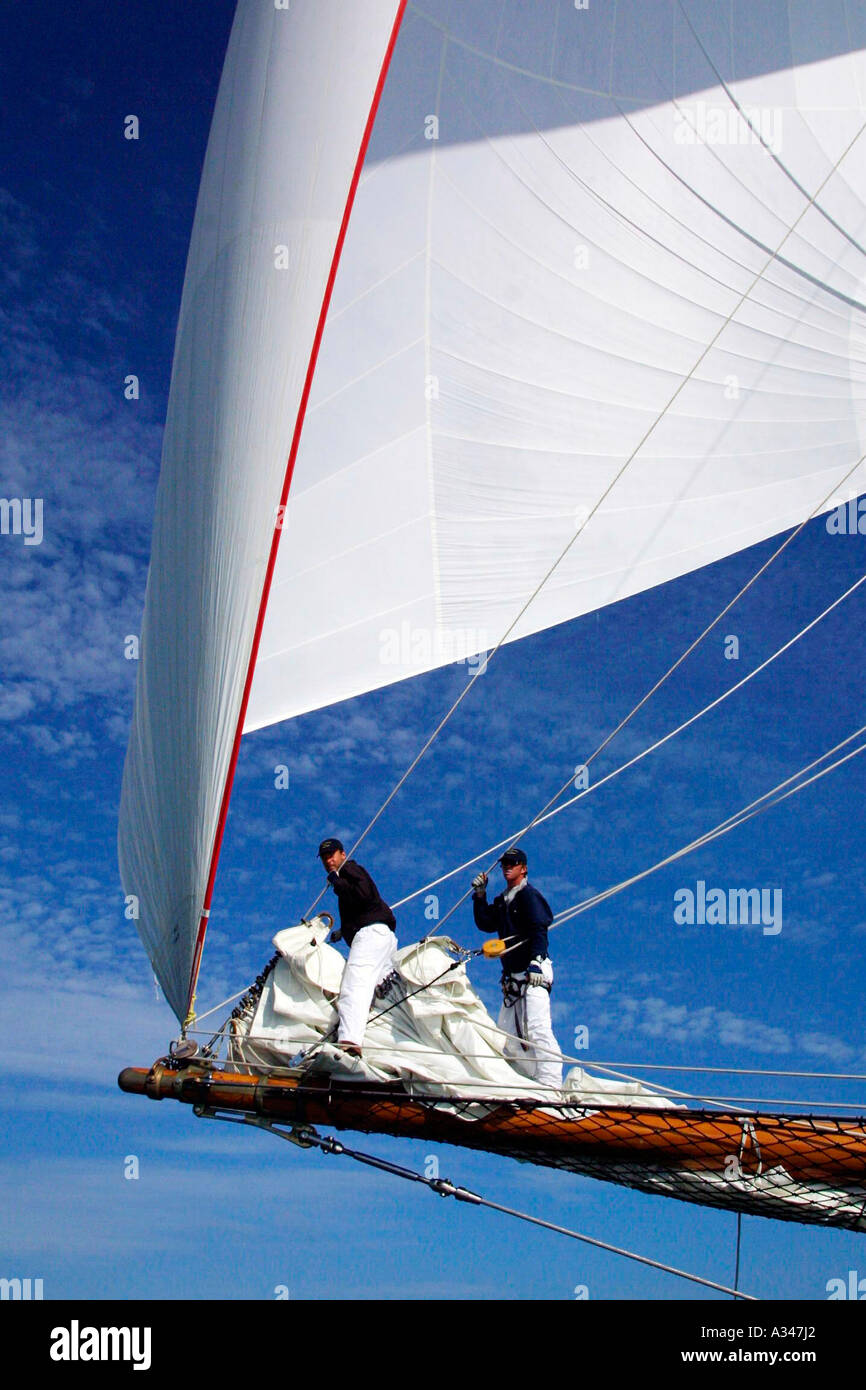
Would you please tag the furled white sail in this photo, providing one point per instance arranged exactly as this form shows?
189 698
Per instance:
433 1032
559 209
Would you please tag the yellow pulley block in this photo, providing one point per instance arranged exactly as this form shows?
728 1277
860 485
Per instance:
493 948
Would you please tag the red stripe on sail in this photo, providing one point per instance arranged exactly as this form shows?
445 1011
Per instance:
287 482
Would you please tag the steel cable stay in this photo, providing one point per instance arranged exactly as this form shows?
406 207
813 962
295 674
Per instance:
489 1090
754 808
705 351
618 1069
308 1137
546 813
732 823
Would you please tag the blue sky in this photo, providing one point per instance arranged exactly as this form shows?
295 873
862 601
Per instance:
95 230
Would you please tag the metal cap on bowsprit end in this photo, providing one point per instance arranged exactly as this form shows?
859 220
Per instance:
327 847
511 857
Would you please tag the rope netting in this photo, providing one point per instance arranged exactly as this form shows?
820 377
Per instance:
807 1169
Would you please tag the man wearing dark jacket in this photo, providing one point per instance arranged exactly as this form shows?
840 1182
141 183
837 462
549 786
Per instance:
368 927
521 917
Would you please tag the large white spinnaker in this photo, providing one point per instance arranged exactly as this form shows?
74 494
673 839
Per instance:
556 215
296 94
520 296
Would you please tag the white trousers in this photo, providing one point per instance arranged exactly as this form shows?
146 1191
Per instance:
529 1018
371 958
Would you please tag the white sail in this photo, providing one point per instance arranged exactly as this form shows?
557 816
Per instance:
293 103
555 218
517 301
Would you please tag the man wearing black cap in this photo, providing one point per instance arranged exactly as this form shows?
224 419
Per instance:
368 927
521 916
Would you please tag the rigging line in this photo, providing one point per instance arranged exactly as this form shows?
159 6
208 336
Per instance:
502 1032
480 1090
622 217
648 1086
641 442
393 1005
707 838
444 1188
588 1063
768 148
716 211
740 1071
200 1018
740 230
737 1263
641 230
538 1049
581 1101
726 1102
740 816
732 823
546 813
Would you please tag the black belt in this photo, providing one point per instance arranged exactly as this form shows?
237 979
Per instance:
514 989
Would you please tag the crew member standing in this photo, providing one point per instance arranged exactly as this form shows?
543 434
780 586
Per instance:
521 917
368 927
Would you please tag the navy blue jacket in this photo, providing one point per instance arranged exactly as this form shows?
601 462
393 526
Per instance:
525 919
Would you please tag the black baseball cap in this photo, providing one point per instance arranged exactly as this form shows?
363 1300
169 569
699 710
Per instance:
512 856
327 847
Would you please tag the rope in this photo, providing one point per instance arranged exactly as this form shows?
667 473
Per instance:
641 442
732 823
579 1099
743 1071
427 985
737 1264
444 1188
216 1008
546 813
